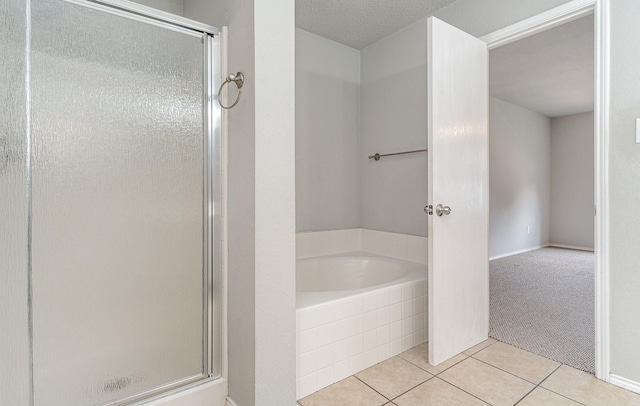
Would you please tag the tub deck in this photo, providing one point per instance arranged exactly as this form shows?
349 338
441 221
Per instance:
417 272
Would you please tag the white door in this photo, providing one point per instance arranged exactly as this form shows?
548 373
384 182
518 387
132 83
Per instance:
457 70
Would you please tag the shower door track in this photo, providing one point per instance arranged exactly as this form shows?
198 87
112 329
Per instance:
139 12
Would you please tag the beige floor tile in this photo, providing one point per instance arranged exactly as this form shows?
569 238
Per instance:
436 392
393 377
488 383
420 356
541 396
480 346
585 388
346 392
524 364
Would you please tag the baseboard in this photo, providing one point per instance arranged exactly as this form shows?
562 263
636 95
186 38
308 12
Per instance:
625 383
570 247
522 251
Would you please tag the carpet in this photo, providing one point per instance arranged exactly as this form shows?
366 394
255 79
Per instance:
543 301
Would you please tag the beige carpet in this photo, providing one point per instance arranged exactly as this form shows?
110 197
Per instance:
543 302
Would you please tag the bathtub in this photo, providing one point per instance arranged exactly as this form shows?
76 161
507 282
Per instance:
328 274
355 309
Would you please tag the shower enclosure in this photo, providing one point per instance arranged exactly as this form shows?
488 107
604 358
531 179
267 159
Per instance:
109 231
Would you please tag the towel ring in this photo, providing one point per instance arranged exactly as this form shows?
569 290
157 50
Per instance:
238 79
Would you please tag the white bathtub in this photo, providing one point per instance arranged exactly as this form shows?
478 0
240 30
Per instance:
327 274
354 310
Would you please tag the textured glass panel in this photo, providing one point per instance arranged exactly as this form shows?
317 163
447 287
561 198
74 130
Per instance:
14 344
117 205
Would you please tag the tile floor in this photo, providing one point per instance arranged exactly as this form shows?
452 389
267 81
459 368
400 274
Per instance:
491 373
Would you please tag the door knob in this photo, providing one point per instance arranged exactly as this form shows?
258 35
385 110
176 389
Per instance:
428 209
443 210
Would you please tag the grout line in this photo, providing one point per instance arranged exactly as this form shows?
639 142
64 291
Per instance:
468 393
552 372
539 385
560 394
415 365
500 369
542 387
510 373
526 394
436 374
483 348
448 368
539 355
552 391
409 390
374 389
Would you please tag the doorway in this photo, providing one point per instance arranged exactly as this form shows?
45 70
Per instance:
569 12
523 29
542 193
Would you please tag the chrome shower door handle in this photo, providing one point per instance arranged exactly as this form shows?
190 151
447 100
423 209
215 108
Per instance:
443 210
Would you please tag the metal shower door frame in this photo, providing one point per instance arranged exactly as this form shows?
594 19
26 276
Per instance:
212 334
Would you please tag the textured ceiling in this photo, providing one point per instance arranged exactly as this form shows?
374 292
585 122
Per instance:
550 72
358 23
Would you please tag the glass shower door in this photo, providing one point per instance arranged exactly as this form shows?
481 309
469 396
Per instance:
119 205
14 307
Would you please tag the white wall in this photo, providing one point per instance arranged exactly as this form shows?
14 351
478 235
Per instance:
572 180
212 12
241 211
624 159
275 202
394 118
261 199
170 6
519 178
351 104
327 134
541 175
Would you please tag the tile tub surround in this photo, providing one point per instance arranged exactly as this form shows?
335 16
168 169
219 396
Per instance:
343 337
346 335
